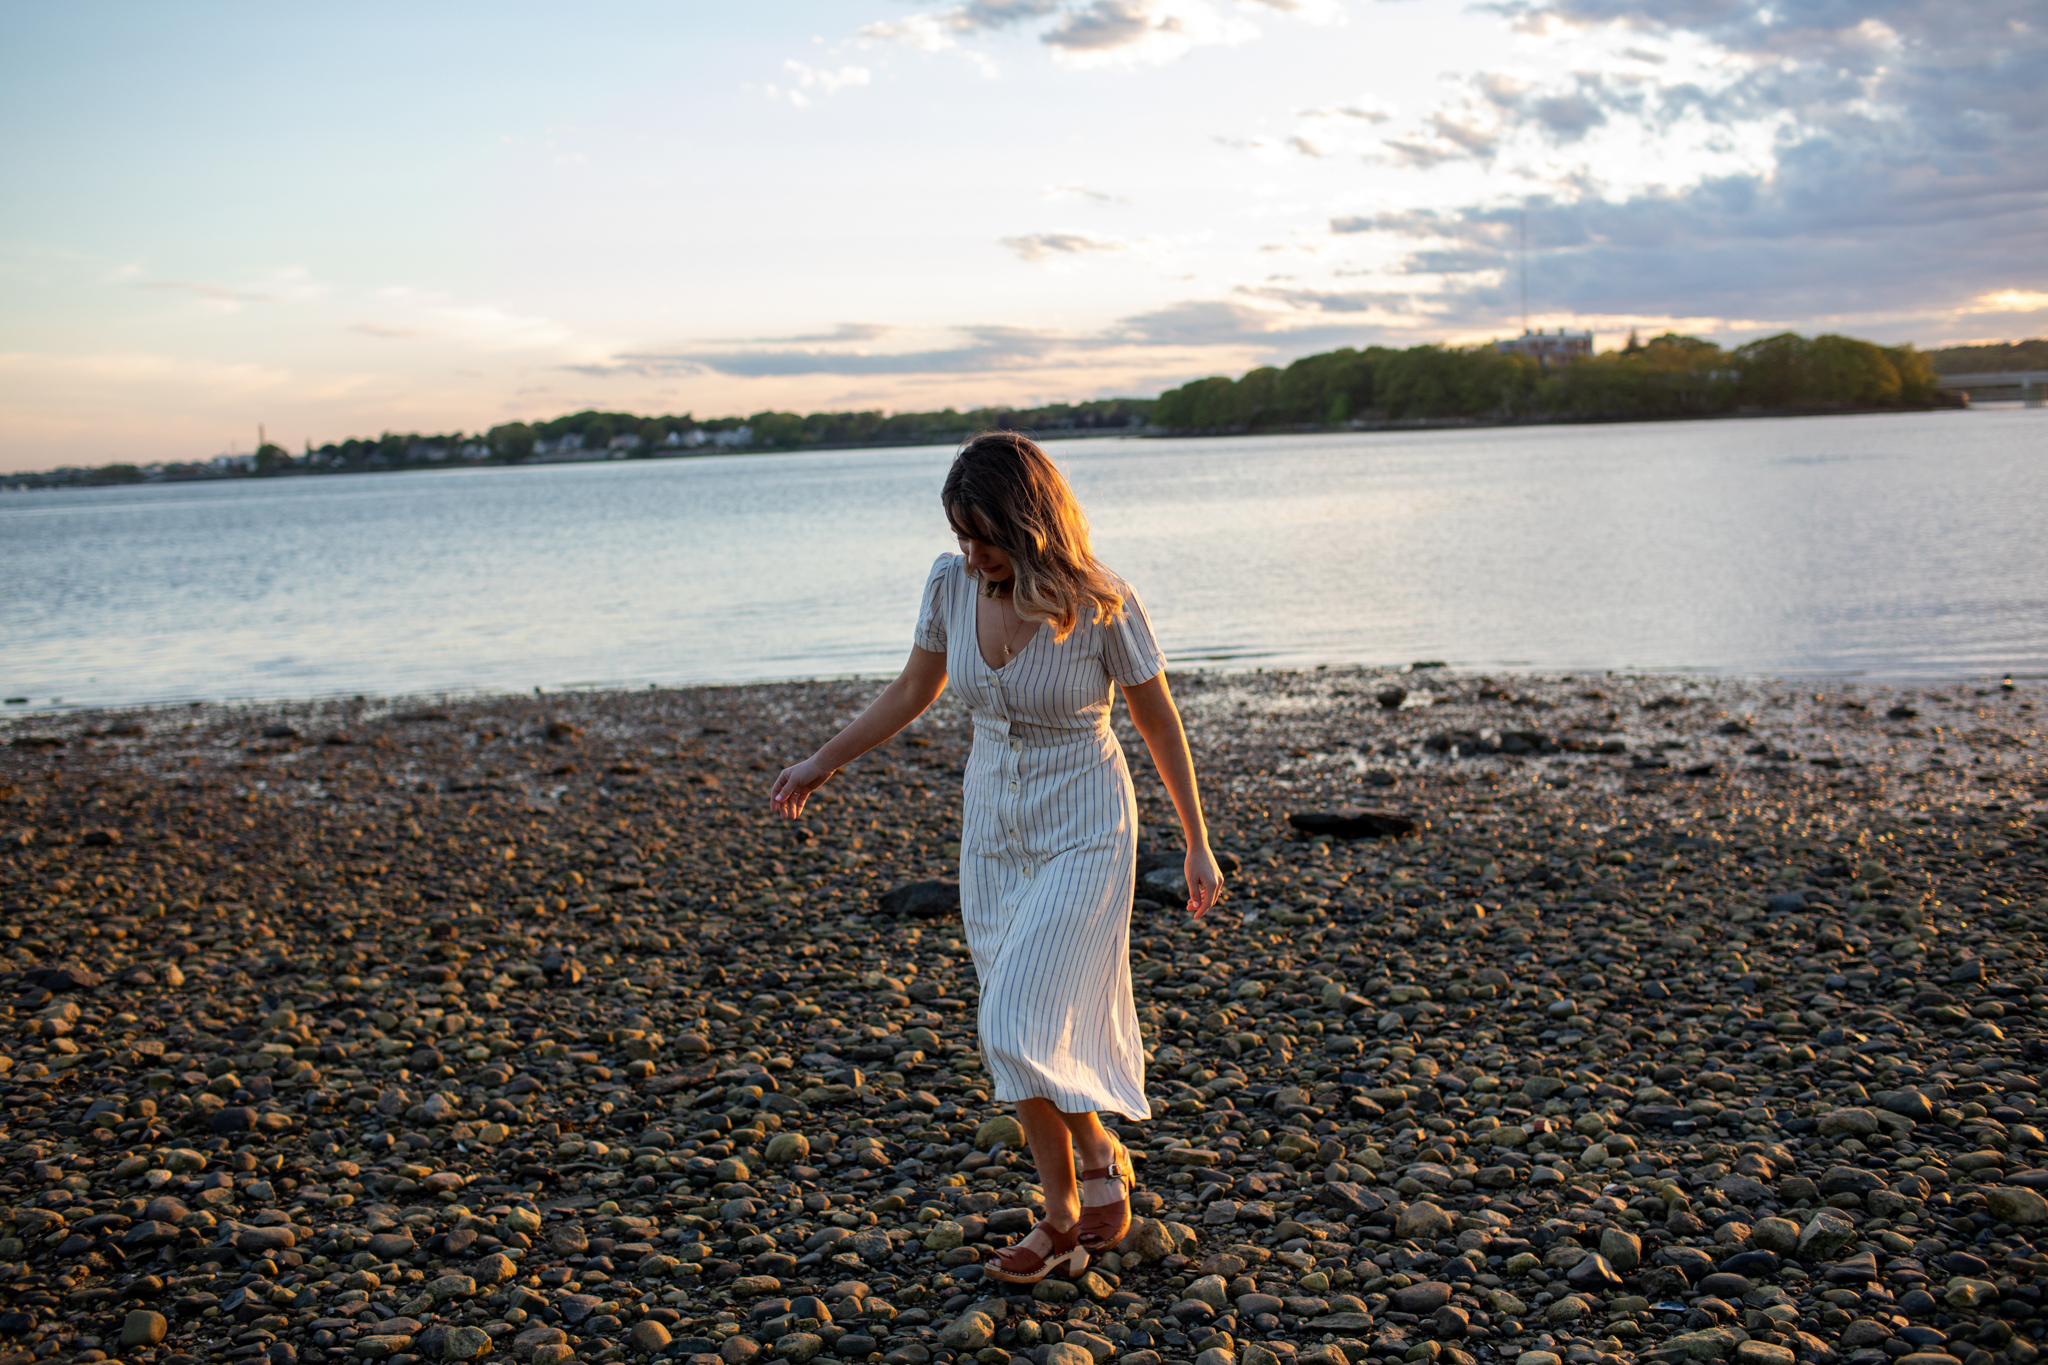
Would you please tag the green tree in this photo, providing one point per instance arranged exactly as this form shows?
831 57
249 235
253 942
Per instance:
781 429
272 458
510 441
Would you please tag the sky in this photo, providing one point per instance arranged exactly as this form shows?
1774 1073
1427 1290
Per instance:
328 221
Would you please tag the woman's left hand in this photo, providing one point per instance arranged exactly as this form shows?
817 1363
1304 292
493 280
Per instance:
1205 880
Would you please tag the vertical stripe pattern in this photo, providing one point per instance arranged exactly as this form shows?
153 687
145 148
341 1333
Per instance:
1048 850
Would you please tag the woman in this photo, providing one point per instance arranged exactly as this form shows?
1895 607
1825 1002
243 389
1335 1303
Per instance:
1035 633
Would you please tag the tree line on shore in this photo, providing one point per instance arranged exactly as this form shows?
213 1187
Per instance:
1668 376
593 435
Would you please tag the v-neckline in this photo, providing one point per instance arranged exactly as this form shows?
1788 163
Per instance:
981 654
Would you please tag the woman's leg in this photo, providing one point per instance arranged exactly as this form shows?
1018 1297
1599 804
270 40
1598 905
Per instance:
1047 1131
1092 1142
1053 1245
1105 1198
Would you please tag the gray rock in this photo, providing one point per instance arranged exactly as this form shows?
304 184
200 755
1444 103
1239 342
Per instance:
1623 1250
143 1327
1825 1234
1594 1274
468 1342
971 1331
1422 1221
1422 1298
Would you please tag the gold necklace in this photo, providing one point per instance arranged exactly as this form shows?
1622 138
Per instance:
1011 634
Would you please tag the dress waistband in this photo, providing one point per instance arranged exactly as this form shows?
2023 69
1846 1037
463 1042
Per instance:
1039 736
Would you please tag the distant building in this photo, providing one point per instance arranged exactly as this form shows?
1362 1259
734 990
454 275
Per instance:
1550 348
738 436
567 449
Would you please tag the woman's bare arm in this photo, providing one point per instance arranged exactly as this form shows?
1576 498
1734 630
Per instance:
919 684
1158 722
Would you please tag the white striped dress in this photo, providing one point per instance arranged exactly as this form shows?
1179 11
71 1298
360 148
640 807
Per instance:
1048 849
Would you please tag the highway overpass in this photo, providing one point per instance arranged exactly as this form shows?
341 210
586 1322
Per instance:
2022 386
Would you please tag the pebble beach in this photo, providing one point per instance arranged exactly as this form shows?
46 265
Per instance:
1546 1020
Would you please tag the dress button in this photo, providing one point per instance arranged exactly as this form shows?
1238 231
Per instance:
1013 786
1017 744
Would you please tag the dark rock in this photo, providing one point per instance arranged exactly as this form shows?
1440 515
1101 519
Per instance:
1347 1196
391 1246
1849 1180
61 979
1910 1103
1696 1264
1422 1298
1755 1265
1593 1273
562 970
1353 824
921 900
234 1118
1743 1190
1723 1285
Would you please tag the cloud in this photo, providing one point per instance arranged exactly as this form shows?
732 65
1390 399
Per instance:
1093 33
1380 302
1040 245
1198 322
2009 301
845 331
823 82
941 31
374 329
480 326
1883 165
987 349
1141 32
1189 326
1367 111
222 297
1081 192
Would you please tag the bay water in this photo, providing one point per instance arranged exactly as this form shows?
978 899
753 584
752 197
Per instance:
1893 547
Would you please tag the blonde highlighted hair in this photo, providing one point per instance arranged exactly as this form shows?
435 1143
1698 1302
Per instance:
1003 491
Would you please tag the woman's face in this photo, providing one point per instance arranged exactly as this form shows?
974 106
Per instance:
985 559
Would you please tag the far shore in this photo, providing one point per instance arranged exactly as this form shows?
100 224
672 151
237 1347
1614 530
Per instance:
95 478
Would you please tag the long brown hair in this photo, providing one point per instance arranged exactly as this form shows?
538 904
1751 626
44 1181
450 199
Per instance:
1003 491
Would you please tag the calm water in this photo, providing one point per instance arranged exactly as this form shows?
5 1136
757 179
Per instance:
1898 547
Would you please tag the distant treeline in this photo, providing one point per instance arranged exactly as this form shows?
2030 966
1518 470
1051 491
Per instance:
1668 376
1994 357
793 431
592 435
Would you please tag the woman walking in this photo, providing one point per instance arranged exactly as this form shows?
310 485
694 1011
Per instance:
1036 635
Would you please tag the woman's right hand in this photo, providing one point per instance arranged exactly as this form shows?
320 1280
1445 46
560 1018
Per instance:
795 785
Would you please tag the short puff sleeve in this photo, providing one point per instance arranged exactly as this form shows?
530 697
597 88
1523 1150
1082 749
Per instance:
931 616
1130 652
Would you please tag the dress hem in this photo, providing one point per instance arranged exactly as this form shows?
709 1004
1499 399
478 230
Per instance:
1082 1105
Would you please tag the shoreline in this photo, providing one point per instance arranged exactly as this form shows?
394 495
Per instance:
1211 668
40 481
1698 1017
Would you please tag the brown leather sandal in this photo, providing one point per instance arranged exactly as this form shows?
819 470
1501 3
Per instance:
1019 1264
1102 1226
